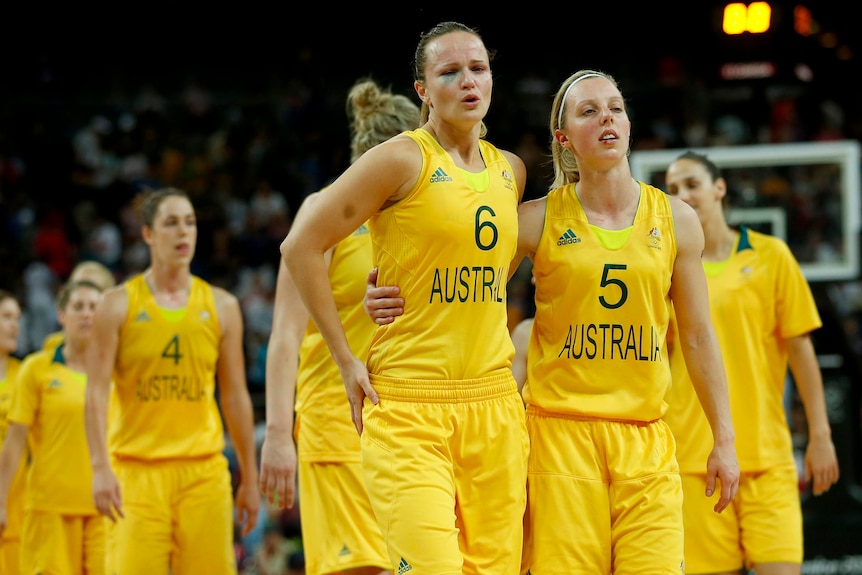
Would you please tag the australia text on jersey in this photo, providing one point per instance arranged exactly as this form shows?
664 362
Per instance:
468 284
612 341
170 388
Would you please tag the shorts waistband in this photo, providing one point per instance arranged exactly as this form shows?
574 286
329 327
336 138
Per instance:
539 412
444 390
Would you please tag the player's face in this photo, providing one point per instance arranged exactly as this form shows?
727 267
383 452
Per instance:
690 181
458 80
10 325
174 233
596 126
77 316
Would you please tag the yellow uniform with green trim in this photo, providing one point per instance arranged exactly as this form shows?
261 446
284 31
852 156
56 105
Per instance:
54 340
758 298
604 492
63 532
339 530
11 539
444 452
167 444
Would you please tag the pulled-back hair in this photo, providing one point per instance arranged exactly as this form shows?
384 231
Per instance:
147 203
376 115
714 170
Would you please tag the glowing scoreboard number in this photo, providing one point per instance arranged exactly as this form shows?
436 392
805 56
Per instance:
754 18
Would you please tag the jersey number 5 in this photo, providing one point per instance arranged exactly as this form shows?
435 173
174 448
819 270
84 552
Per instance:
607 281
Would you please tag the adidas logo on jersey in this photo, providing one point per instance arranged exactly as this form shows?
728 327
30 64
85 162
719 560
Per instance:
440 176
568 238
344 551
404 567
143 316
55 384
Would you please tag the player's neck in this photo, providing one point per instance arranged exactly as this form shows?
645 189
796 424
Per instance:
170 287
75 355
167 280
719 240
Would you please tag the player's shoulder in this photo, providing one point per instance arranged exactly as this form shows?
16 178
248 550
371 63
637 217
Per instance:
764 243
37 360
222 296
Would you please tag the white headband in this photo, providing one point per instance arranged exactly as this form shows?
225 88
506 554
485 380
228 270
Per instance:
566 95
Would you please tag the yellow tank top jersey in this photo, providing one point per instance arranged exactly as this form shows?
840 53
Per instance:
49 399
598 349
756 301
15 505
324 429
448 246
13 365
164 378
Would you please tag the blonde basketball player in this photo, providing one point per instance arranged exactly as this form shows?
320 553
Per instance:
339 530
62 531
443 446
619 253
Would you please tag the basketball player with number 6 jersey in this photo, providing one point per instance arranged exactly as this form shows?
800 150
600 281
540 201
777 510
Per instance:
443 441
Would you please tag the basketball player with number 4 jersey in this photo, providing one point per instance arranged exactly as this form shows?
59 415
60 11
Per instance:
161 476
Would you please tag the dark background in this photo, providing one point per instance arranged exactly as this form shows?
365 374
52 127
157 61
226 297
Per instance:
654 49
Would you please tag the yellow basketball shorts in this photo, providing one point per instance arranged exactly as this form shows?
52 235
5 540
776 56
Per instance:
62 544
339 530
445 465
602 497
763 523
9 554
178 518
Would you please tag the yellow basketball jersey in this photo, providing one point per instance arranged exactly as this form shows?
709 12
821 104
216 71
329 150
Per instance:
448 246
15 504
164 378
598 343
13 366
321 402
756 301
49 399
